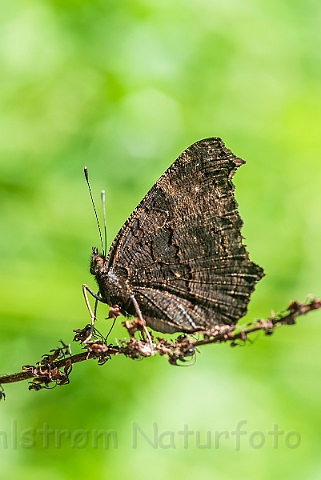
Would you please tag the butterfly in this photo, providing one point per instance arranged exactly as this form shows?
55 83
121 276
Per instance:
178 263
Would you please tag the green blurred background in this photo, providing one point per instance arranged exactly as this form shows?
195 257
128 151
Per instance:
125 87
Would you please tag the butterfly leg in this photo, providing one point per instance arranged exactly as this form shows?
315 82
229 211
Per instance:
86 289
142 321
92 314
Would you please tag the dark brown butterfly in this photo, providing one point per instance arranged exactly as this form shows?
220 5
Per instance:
178 262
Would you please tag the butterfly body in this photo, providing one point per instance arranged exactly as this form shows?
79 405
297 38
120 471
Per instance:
180 254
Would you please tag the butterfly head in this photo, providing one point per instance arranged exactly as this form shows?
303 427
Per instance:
97 262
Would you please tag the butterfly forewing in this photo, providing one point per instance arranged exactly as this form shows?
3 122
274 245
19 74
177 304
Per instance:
182 247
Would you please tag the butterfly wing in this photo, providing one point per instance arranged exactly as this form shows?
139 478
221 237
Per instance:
182 246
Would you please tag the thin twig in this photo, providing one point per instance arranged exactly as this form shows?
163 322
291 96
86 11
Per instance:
55 367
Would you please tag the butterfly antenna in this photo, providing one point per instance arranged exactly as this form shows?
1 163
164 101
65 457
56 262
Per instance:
103 202
95 211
